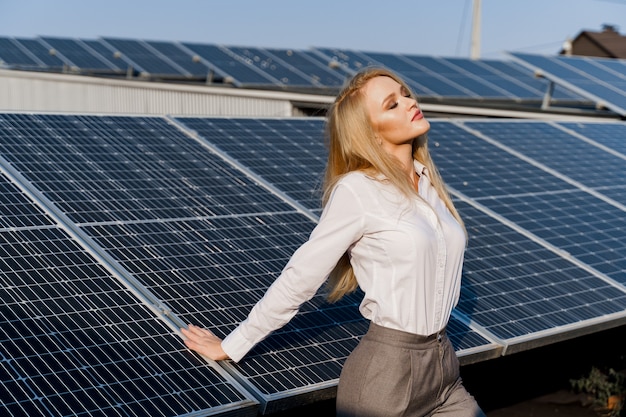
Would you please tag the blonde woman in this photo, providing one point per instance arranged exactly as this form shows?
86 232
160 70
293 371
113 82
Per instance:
390 228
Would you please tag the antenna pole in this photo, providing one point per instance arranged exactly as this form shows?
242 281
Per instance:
475 52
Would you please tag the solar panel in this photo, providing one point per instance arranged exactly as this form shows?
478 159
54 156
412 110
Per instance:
239 72
288 154
145 60
209 259
351 60
274 67
204 239
517 288
438 77
14 55
204 226
519 74
118 60
551 206
80 55
584 162
599 79
310 65
75 341
453 80
609 135
44 54
182 58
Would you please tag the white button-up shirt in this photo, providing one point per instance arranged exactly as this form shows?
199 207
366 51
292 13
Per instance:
407 256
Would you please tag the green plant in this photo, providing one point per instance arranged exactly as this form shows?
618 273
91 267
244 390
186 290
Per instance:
601 387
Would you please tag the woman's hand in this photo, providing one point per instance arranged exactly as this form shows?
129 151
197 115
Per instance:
204 342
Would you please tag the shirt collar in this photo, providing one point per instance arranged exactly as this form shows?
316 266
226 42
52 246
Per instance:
420 168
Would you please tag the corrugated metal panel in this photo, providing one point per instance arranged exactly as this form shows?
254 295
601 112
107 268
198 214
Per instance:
27 91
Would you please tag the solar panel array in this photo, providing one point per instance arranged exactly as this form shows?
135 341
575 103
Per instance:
74 340
602 80
319 69
117 230
442 77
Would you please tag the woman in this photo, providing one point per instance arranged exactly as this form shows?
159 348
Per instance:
389 227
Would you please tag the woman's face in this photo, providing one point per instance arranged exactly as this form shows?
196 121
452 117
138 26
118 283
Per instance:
395 116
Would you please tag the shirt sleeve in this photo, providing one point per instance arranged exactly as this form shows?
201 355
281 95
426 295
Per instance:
340 225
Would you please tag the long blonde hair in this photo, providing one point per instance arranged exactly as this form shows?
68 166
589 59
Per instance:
352 146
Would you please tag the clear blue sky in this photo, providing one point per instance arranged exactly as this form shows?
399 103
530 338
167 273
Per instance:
435 27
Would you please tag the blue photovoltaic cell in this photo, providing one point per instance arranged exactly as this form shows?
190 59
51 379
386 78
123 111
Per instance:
421 81
599 79
463 337
75 341
431 76
503 85
471 83
515 286
96 184
289 154
525 78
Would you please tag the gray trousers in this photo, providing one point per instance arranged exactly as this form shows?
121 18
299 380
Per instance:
395 373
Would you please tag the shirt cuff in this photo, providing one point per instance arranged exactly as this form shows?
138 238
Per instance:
236 346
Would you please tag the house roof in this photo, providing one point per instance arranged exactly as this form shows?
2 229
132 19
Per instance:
609 43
